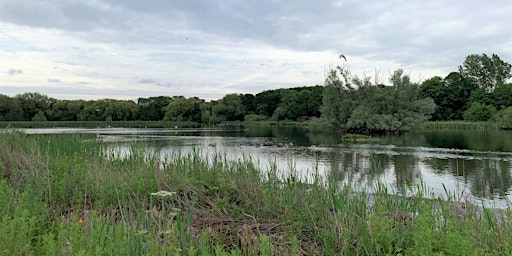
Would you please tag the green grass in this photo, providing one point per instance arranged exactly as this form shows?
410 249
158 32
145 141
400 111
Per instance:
65 195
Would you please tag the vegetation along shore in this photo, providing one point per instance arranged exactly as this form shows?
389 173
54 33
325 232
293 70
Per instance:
65 195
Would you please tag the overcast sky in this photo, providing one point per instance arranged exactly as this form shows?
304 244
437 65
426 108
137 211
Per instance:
125 49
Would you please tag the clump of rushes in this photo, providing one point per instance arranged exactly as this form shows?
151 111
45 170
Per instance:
67 195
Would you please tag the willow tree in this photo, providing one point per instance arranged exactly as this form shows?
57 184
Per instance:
338 99
356 105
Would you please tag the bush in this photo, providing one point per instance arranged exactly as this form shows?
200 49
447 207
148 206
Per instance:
503 118
479 112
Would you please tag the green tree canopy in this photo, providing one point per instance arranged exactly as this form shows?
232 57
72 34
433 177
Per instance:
10 109
357 105
32 103
450 94
487 72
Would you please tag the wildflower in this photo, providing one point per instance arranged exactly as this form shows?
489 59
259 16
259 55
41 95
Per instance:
163 193
80 221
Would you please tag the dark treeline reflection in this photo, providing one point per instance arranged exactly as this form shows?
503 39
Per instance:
487 177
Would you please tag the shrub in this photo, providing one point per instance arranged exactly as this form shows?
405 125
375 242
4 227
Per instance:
503 118
479 112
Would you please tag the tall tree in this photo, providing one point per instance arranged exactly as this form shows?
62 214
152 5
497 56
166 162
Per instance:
337 101
487 72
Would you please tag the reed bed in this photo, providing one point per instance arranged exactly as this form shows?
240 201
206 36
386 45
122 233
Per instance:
460 125
67 195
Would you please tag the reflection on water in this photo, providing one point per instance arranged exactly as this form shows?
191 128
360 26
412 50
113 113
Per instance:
473 165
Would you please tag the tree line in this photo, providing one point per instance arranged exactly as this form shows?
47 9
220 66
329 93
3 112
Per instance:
477 91
279 104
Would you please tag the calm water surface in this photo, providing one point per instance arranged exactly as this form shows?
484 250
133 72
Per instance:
473 165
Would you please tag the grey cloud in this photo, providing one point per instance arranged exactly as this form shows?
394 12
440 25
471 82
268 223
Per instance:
68 15
15 71
166 84
53 80
146 81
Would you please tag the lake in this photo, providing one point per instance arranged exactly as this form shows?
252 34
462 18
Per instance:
470 165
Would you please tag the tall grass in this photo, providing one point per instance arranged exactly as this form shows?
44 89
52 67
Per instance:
66 195
460 125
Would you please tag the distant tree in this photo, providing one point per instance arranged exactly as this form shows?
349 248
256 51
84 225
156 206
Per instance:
503 118
487 72
289 107
74 108
32 103
357 105
153 108
450 94
183 109
39 116
10 109
501 97
248 103
479 112
122 110
267 102
229 108
337 102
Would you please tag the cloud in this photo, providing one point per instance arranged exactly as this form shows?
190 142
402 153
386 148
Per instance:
147 81
212 48
166 84
53 80
15 72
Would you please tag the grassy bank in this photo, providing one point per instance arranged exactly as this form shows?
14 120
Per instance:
66 195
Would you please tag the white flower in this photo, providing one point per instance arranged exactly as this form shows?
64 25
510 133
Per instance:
163 193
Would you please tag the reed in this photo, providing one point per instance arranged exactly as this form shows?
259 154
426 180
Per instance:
460 125
67 195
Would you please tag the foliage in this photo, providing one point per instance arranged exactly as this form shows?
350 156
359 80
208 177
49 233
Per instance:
300 102
356 105
479 112
503 118
183 109
32 103
66 194
487 72
10 109
230 108
153 108
450 95
267 102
